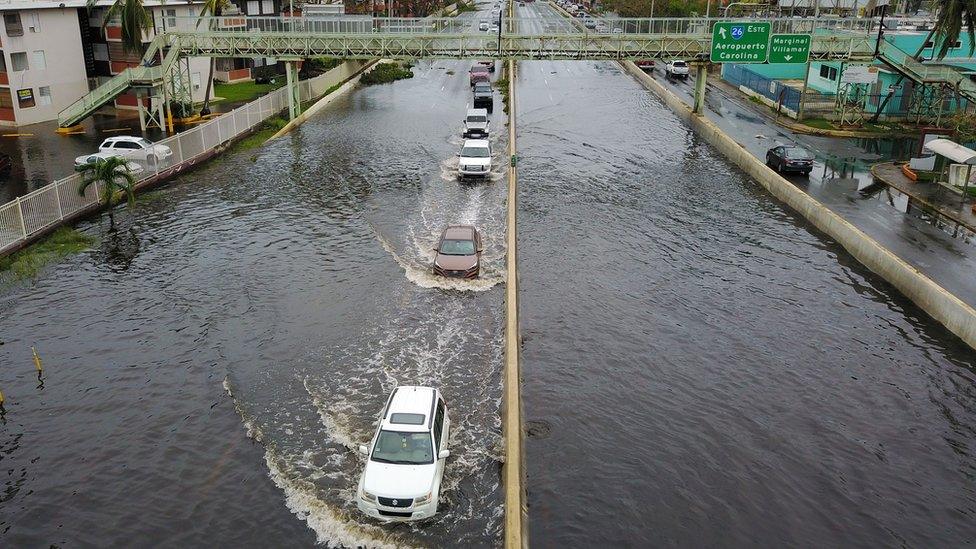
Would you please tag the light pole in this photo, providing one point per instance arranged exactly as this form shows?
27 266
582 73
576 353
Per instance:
877 45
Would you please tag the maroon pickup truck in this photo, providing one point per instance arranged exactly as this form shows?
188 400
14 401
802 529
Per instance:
479 73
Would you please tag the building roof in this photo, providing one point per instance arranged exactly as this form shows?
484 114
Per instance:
952 150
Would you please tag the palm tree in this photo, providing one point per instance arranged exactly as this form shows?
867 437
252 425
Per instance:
953 14
114 175
135 19
214 8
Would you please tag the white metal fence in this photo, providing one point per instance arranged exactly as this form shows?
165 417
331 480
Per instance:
26 216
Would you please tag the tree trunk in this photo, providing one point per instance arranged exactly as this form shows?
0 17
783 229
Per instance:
206 97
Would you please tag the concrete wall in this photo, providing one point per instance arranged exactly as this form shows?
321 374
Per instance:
944 307
57 38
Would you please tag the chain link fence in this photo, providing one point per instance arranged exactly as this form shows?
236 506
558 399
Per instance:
26 217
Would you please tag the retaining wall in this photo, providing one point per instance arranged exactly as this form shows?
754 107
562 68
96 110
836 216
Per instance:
944 307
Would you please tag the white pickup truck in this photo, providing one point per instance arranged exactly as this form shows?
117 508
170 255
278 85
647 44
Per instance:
676 69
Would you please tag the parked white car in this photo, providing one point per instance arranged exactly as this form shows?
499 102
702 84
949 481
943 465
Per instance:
139 149
676 69
85 159
405 460
474 160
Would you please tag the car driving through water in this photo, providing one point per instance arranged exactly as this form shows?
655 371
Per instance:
476 124
474 160
458 252
405 460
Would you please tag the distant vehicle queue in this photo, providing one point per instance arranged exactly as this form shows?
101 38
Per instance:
406 457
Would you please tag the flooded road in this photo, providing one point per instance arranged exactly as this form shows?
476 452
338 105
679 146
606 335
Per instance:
278 294
700 367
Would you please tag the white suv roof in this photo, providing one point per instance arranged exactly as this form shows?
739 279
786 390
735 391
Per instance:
411 409
475 143
477 112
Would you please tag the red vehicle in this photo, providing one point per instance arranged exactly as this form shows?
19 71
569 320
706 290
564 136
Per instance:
479 73
645 64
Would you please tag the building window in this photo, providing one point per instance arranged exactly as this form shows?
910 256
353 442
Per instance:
195 80
39 61
12 22
100 51
44 95
171 21
19 60
25 98
253 7
5 101
33 22
3 63
830 73
267 7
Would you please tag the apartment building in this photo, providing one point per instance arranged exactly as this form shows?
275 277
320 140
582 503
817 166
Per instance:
42 67
53 52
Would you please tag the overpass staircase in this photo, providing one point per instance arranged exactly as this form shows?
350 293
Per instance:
927 75
149 76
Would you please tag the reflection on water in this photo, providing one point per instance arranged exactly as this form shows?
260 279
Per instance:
288 294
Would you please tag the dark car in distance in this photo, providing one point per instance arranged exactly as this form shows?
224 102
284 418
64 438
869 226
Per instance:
789 158
484 96
458 253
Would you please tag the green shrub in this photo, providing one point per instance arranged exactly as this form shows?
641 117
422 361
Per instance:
387 72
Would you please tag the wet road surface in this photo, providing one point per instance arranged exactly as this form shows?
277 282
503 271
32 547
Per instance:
841 172
212 366
702 368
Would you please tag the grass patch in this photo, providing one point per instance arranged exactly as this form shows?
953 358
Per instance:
385 73
245 91
502 86
756 100
262 134
28 262
819 123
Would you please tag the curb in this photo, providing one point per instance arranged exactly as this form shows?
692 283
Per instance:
935 300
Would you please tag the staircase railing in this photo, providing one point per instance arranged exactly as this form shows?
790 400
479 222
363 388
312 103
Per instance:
109 90
926 74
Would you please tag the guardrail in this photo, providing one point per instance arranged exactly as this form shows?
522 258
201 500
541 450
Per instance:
27 217
695 26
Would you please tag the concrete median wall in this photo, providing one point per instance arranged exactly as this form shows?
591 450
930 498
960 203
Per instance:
935 300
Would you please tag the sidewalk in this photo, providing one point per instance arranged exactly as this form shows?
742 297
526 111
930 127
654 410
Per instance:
929 194
841 172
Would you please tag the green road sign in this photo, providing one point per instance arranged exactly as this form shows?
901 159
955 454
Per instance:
789 48
740 42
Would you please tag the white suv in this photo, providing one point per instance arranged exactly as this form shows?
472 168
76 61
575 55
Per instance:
676 69
405 463
476 123
139 149
474 160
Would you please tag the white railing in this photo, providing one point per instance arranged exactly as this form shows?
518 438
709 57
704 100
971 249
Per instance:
26 216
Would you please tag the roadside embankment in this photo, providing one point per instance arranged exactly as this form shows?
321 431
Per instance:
513 471
339 82
935 300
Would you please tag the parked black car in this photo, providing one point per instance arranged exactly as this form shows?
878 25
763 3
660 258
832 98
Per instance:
484 96
789 158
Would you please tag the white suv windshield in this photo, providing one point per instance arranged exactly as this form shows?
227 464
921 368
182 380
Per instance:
679 64
475 152
477 119
144 142
403 448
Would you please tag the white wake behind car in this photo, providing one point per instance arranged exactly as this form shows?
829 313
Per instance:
135 148
474 160
405 460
